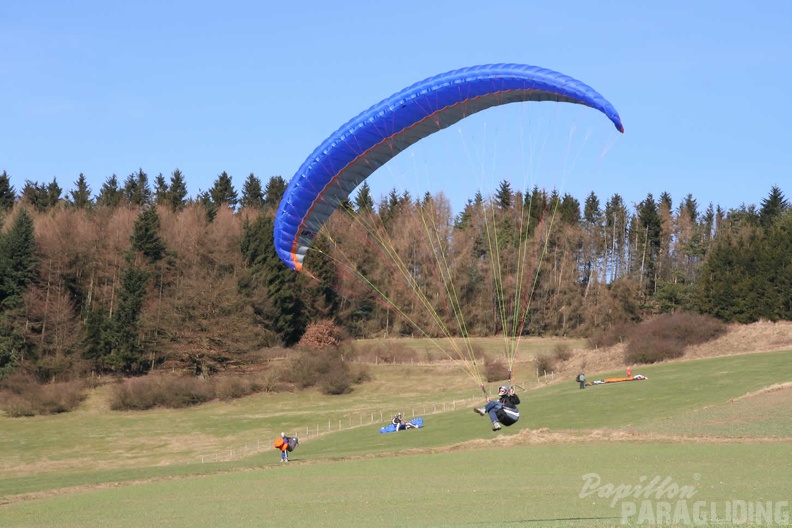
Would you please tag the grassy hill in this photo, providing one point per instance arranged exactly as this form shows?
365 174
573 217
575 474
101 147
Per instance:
722 426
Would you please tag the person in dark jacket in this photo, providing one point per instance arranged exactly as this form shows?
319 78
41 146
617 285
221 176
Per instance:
503 410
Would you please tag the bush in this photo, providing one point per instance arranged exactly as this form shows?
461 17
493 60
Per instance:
326 370
545 363
653 351
232 387
666 337
495 370
160 390
21 395
562 352
320 335
616 334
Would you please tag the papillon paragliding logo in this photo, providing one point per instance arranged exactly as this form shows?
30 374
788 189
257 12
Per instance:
323 183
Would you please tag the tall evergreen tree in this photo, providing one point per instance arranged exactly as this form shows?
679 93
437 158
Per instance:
648 240
54 192
591 210
7 193
18 261
145 236
774 274
126 350
81 195
222 192
177 191
570 210
536 205
689 207
617 221
42 197
772 206
252 193
283 310
18 270
205 199
110 195
273 192
363 200
160 190
137 190
504 196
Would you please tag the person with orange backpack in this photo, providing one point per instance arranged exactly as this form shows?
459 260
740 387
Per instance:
286 444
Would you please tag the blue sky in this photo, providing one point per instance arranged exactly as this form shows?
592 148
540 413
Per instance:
237 86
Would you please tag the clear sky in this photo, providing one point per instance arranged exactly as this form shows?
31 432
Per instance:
103 87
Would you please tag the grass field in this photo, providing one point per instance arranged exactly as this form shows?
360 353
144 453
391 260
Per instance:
706 428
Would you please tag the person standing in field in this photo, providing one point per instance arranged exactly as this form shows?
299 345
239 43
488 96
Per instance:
282 443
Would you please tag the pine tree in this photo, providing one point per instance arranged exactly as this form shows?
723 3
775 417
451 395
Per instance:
145 237
222 192
617 221
772 206
775 269
536 204
18 270
252 193
18 261
125 354
136 189
363 201
54 192
177 192
570 210
389 207
7 193
110 195
36 196
273 192
591 210
160 190
205 199
81 195
504 197
284 310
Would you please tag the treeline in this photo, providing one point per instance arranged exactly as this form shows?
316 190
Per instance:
139 276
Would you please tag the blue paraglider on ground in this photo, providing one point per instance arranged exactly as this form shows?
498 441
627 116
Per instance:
391 428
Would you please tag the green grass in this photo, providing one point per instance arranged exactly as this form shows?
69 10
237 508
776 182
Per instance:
525 485
453 472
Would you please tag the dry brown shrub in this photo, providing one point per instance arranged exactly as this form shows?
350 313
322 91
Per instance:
495 370
545 363
666 337
160 390
562 352
320 335
614 335
325 369
22 395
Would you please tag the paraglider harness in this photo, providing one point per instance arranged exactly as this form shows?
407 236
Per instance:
507 415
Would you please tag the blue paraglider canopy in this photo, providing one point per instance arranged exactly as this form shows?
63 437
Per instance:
368 141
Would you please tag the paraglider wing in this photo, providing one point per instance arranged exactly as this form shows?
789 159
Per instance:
368 141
